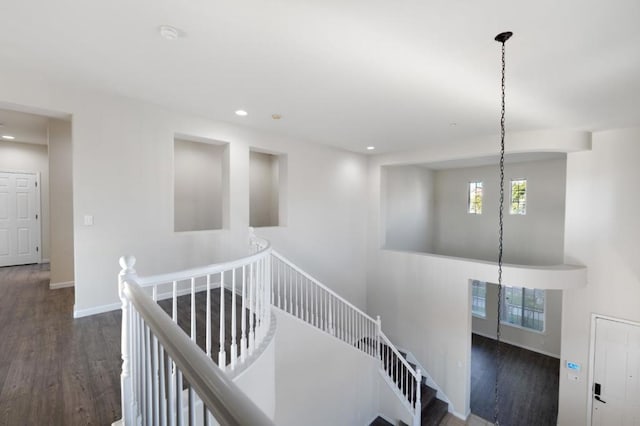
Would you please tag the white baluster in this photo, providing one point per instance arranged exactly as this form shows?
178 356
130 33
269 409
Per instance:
163 384
279 287
222 356
175 302
251 311
127 264
156 381
193 309
418 409
378 330
208 314
234 347
331 328
243 320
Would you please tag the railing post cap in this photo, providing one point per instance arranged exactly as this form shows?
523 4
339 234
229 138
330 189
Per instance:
127 263
378 318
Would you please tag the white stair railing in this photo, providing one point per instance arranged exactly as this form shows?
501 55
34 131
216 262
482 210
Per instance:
299 294
156 357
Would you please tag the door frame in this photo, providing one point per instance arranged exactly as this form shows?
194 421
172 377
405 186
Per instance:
592 356
38 206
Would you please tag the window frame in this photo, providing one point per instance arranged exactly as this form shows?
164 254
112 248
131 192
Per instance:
522 206
523 307
472 206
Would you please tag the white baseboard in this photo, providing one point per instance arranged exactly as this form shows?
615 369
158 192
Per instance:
529 348
55 286
79 313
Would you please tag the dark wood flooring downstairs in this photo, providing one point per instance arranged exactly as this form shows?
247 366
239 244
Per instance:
528 384
54 370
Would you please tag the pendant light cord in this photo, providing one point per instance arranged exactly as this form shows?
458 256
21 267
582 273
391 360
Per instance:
503 37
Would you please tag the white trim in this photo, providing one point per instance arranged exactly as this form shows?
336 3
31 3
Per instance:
592 355
79 313
529 348
55 286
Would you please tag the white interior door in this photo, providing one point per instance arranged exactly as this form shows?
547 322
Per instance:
616 387
19 219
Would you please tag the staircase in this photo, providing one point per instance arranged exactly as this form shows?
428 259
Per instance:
433 410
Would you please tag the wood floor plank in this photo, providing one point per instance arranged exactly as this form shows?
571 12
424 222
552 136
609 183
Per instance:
54 370
528 384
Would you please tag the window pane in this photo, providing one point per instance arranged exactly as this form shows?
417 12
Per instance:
475 198
523 307
518 196
479 298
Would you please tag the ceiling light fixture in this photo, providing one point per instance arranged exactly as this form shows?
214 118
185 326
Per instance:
371 148
501 38
8 137
242 113
168 32
276 116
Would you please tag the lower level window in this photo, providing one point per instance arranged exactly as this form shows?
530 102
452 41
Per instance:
479 298
523 307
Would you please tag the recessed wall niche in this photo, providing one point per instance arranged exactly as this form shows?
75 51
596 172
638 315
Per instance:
201 189
425 208
267 188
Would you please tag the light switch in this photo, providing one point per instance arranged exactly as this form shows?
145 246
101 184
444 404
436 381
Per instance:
88 220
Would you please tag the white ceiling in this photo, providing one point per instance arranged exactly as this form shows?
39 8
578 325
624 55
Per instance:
394 74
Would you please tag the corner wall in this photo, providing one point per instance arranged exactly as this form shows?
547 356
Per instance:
602 232
61 202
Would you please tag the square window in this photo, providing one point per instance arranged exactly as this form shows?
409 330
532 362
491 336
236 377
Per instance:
475 198
518 197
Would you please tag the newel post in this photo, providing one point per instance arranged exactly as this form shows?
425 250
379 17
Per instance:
127 264
417 416
378 331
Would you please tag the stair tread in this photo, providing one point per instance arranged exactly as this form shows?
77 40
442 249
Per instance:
427 395
435 412
379 421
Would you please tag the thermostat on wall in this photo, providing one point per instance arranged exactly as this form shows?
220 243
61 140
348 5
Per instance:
573 366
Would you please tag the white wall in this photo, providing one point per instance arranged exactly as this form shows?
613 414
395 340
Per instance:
408 207
536 238
26 157
123 176
602 232
546 342
263 189
198 192
61 202
321 380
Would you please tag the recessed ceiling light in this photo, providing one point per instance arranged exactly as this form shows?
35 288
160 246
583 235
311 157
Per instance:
169 33
242 113
371 148
9 137
276 116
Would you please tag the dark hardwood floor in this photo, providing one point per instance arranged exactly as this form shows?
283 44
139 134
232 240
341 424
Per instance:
528 384
54 370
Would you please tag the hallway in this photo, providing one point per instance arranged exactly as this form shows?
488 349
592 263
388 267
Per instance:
53 369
